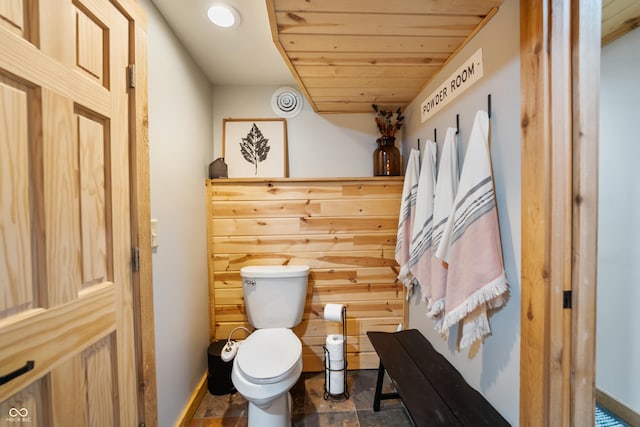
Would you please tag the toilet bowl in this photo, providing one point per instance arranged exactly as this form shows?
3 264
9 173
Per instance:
268 363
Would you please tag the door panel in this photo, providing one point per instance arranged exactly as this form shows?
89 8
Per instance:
68 379
97 364
15 247
89 39
12 13
27 405
91 139
61 213
65 233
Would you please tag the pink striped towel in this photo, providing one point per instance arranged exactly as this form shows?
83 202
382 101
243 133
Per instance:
446 188
420 248
476 279
405 222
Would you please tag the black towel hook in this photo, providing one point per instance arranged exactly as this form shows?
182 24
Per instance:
457 124
435 135
489 105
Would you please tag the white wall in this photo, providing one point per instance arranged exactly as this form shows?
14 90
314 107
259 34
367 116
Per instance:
331 145
180 149
618 341
493 369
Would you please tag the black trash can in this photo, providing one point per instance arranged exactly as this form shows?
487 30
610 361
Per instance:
219 378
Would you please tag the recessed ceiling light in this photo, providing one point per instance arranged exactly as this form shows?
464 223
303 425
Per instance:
224 15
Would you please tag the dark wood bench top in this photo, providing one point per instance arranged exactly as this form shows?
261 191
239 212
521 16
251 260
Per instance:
432 390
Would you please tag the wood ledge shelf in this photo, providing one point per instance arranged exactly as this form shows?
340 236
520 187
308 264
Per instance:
327 179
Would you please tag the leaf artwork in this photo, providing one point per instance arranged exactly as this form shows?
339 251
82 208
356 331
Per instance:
255 147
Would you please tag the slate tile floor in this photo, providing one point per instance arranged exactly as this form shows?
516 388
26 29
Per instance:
309 407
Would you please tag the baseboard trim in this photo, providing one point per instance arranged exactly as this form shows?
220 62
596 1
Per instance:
618 409
194 402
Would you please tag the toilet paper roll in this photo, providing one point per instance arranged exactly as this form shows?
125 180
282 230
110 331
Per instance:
334 378
335 365
333 312
335 346
336 382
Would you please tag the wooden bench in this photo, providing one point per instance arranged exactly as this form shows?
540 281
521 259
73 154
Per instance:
432 390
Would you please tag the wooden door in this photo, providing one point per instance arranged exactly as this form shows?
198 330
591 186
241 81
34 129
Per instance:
560 63
65 215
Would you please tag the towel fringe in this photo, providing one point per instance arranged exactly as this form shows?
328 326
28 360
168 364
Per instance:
408 280
491 294
405 276
435 309
473 329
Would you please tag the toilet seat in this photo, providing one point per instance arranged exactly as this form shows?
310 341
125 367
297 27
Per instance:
268 355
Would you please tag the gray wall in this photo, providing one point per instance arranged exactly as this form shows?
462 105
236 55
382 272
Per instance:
180 148
494 367
618 341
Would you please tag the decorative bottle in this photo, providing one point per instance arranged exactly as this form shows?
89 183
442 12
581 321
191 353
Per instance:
386 158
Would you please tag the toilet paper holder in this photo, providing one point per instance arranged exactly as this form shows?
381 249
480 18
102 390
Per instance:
327 366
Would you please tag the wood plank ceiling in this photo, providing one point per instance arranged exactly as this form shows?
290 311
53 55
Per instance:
618 18
347 55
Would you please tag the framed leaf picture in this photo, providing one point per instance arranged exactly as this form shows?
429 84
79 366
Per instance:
255 148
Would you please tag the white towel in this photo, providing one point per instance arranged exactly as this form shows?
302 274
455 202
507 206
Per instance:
420 248
405 222
476 279
446 188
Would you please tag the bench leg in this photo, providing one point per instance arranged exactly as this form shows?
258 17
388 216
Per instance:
377 395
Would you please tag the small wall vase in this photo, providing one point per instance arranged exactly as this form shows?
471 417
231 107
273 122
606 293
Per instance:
386 158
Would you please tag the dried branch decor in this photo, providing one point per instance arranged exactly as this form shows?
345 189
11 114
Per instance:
387 125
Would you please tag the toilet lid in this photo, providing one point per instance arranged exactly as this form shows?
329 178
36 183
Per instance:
268 354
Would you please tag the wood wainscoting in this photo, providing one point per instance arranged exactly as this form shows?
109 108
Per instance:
344 229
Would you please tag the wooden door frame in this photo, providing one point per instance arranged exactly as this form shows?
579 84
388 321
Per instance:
560 63
141 215
587 35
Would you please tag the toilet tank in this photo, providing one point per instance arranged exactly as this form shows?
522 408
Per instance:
274 296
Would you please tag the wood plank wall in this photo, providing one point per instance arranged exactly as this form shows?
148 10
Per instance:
344 229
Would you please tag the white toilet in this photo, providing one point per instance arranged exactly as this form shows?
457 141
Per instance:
269 362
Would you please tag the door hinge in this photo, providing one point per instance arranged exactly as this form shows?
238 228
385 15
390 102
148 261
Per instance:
135 260
131 75
566 299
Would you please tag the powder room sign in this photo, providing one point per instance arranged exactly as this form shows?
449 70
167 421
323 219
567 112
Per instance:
255 148
462 79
